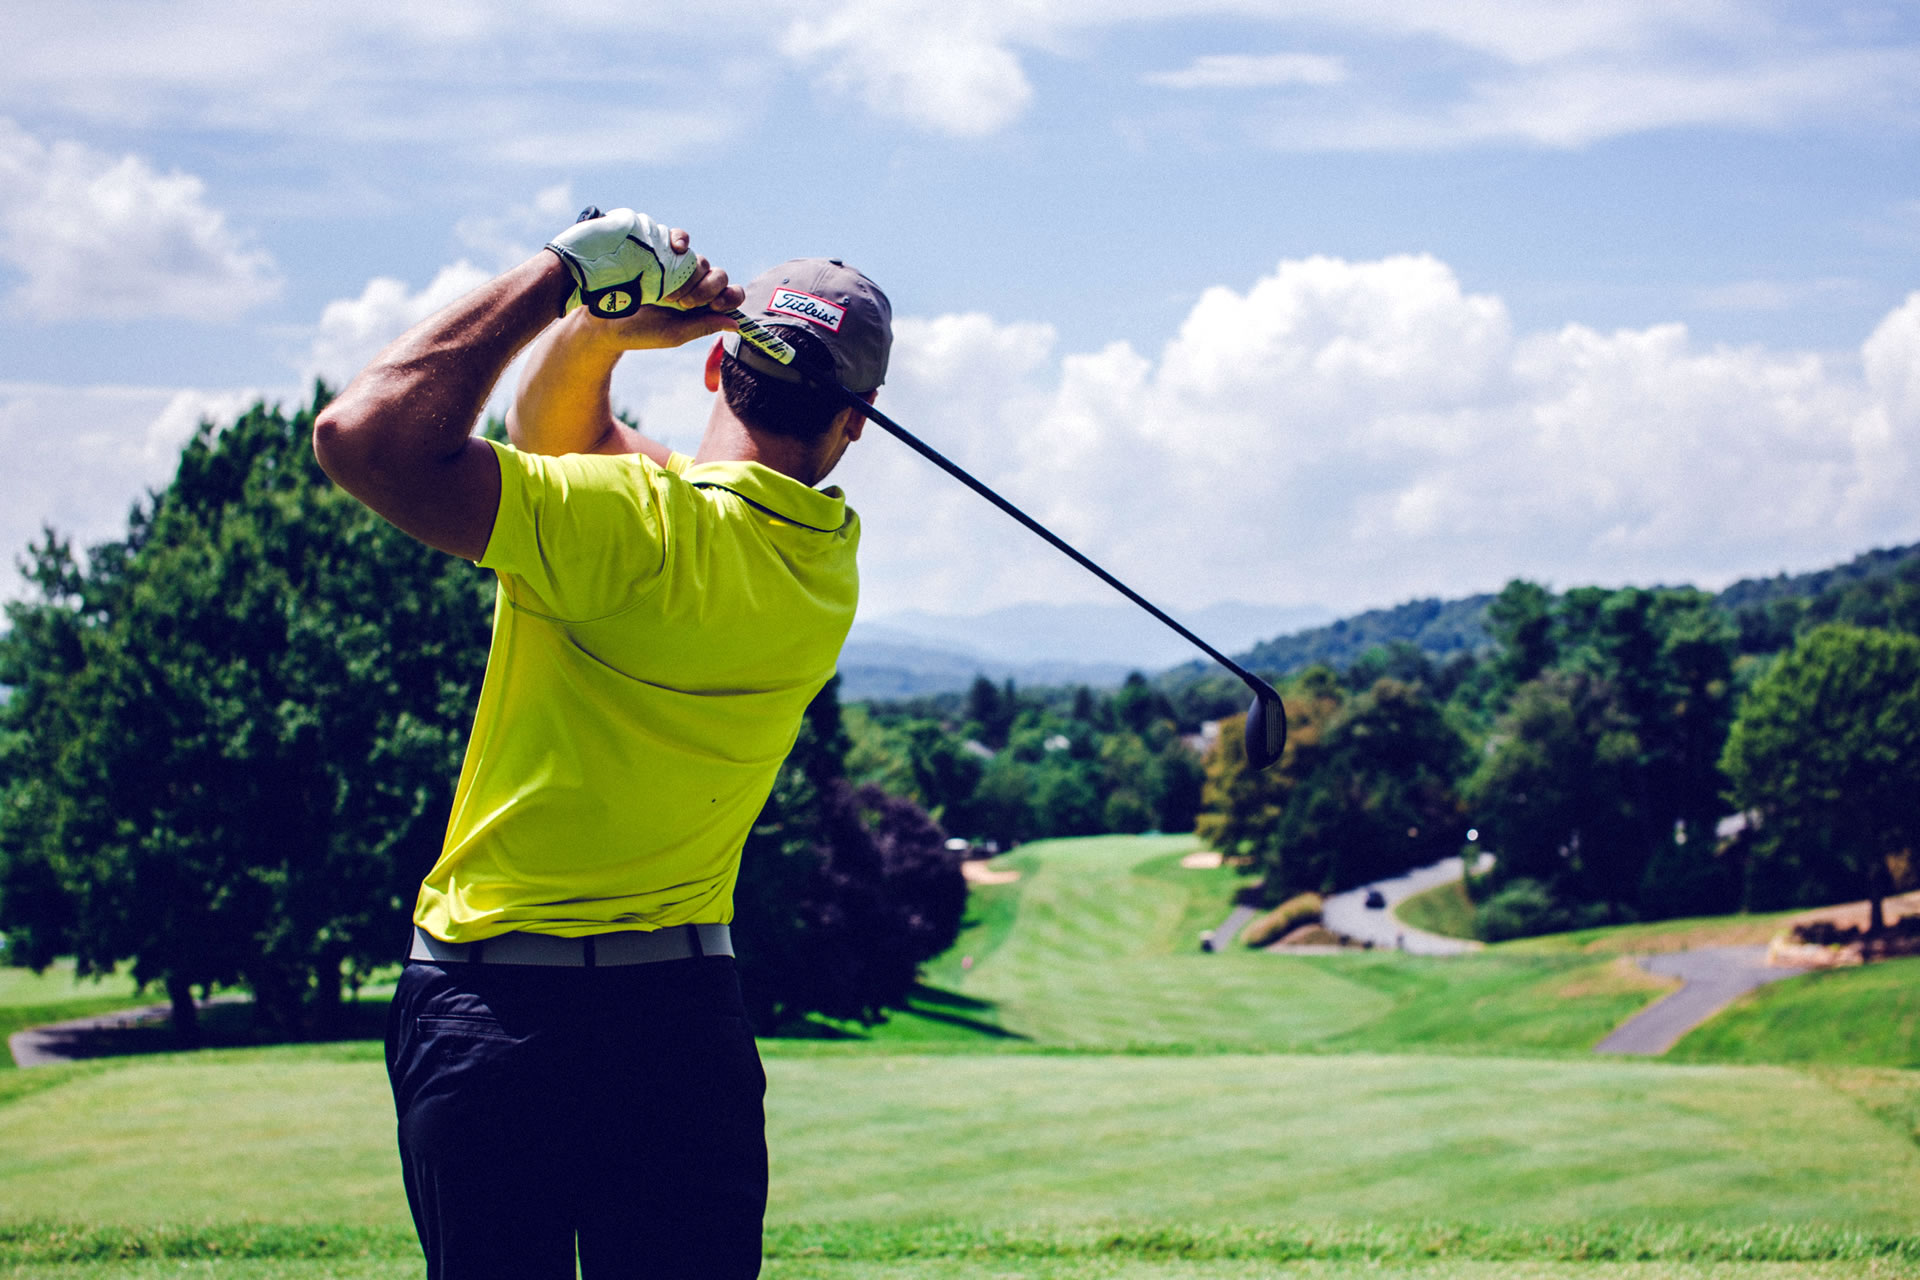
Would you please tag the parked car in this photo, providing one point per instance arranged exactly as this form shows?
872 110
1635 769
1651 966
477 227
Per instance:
1376 901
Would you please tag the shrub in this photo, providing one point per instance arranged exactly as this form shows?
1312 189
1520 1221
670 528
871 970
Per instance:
1300 909
1524 908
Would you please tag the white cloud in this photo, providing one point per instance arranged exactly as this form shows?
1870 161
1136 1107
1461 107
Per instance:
963 81
483 80
1776 295
1252 71
504 82
182 415
1537 71
1356 433
1335 432
107 238
352 330
79 457
1892 359
507 238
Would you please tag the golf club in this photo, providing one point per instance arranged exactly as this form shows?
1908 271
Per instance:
1266 717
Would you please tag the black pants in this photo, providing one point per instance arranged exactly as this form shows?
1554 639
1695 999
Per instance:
617 1107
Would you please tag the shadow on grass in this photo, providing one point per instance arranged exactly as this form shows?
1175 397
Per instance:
935 1004
922 995
223 1025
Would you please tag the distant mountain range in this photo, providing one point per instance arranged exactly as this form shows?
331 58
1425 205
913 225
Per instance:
907 654
915 653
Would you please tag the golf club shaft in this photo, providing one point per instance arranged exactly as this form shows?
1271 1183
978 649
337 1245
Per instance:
953 469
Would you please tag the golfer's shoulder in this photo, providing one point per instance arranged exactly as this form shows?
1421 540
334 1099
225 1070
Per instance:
586 477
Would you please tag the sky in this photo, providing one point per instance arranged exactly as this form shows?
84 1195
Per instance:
1291 302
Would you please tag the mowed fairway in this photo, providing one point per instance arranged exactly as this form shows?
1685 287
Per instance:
1069 1139
1096 948
1092 1096
1042 1139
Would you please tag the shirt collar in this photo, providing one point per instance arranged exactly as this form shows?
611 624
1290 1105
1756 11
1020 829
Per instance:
777 494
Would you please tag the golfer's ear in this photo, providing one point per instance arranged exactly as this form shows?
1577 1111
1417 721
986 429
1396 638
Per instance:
857 421
713 365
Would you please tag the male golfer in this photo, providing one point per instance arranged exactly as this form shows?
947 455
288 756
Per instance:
570 1064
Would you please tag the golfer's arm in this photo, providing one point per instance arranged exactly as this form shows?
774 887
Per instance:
399 437
565 401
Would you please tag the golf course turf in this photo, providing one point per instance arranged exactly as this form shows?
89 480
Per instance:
1093 1096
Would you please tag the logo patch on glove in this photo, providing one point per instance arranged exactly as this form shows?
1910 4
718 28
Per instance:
614 302
805 306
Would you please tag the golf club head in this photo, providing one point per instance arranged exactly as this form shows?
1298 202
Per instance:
1266 728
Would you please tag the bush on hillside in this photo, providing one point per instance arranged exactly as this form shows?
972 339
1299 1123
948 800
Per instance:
844 890
1284 919
1522 909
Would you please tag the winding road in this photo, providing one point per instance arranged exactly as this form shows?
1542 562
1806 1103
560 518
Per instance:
1348 915
1712 978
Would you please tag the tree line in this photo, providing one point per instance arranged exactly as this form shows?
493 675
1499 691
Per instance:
1624 754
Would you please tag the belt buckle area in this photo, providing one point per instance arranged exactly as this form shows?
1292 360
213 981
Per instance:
613 949
538 949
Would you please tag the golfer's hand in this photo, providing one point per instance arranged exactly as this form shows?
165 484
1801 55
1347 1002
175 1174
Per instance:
623 260
695 310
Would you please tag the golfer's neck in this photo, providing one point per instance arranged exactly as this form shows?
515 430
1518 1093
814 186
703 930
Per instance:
730 440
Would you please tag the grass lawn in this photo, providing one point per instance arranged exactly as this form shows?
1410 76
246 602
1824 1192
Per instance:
1092 1096
29 999
1097 1267
56 984
1868 1016
1444 909
1095 948
304 1135
1660 935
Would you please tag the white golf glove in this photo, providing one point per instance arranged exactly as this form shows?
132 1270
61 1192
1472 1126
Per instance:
621 261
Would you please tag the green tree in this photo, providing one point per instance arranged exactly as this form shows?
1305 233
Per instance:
1241 808
1602 779
1377 795
945 772
844 890
1138 704
1826 753
1002 804
993 708
1067 799
1521 621
1177 779
234 733
1555 797
1126 776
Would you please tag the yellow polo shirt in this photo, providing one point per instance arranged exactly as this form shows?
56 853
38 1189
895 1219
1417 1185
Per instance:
657 633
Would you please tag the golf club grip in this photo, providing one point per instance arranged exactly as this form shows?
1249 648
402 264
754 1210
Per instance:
953 469
771 344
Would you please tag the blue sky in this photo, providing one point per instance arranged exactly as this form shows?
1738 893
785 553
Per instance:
1289 301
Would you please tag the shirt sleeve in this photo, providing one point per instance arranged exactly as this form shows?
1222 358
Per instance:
576 537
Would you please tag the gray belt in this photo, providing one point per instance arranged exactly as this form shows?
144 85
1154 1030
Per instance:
627 946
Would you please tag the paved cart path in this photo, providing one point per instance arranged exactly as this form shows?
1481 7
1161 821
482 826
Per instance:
1347 913
65 1041
1237 919
1713 978
78 1038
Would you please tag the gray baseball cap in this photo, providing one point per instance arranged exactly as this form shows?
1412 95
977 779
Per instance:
836 304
